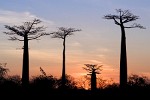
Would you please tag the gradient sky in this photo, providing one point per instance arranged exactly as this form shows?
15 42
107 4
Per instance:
97 43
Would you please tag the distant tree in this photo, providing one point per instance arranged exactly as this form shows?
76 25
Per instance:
101 83
15 79
137 80
27 31
3 70
93 70
83 82
44 82
62 33
12 82
70 82
123 17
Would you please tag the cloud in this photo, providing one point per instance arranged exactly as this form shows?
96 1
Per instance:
95 61
101 56
75 44
103 50
12 17
78 74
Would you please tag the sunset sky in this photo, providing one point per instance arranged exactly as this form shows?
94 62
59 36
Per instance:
97 43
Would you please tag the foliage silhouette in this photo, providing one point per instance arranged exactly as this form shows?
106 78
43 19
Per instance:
62 33
3 71
70 83
123 17
12 82
84 82
44 82
137 80
103 83
27 31
47 86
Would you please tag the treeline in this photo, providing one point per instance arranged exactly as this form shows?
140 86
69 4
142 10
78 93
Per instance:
44 85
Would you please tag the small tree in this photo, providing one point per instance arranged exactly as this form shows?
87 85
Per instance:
3 71
44 82
62 33
124 17
137 80
84 82
27 31
93 70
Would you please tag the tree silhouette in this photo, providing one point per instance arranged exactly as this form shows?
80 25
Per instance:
93 70
70 83
27 31
137 80
3 71
62 33
44 82
122 18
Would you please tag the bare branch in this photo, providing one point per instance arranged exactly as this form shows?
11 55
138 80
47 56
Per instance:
27 29
63 32
58 35
42 71
15 38
13 30
22 28
114 17
92 68
135 25
37 36
36 30
87 69
124 16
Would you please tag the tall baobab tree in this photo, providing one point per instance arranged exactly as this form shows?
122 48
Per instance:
123 17
62 33
93 70
24 33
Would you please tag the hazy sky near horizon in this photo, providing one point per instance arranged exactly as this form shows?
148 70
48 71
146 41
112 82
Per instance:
97 43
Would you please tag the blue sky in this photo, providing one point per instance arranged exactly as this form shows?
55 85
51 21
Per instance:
97 43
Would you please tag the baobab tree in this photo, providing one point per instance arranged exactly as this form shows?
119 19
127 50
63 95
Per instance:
24 33
123 17
93 70
62 33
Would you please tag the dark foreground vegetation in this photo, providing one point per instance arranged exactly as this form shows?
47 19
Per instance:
49 87
42 87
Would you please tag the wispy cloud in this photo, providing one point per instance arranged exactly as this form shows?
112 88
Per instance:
101 56
12 17
103 50
75 44
95 61
78 74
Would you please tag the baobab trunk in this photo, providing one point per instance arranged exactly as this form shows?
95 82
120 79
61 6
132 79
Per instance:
63 69
93 81
123 60
25 70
